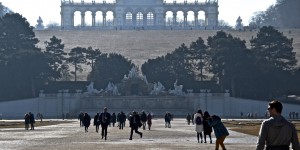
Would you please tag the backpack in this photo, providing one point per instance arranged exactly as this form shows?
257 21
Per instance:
198 120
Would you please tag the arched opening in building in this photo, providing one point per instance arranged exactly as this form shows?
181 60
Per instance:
169 18
99 18
88 19
128 19
77 19
150 19
109 18
139 19
190 18
201 18
179 19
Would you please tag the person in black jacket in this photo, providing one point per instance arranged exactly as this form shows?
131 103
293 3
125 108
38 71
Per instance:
27 121
97 122
31 120
86 121
113 119
207 128
135 123
144 119
105 121
122 119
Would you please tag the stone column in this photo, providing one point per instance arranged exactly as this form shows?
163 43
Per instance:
174 18
82 19
144 19
104 18
196 18
185 19
62 24
93 19
206 20
133 19
72 20
114 19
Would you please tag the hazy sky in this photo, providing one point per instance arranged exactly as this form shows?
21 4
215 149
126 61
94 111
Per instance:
49 10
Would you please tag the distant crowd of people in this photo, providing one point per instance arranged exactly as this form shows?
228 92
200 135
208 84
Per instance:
105 119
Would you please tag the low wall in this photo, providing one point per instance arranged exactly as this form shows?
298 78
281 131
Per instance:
54 105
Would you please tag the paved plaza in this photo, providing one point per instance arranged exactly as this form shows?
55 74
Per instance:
70 136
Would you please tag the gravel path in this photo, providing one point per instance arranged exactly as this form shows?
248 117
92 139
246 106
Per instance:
69 136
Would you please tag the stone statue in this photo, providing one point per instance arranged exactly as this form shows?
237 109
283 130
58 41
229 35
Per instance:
157 89
133 73
145 79
239 25
40 25
112 89
177 90
91 90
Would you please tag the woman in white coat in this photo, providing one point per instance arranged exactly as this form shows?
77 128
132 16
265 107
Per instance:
198 119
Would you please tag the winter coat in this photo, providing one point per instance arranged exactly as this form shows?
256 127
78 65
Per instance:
105 118
219 128
86 120
198 128
277 131
207 128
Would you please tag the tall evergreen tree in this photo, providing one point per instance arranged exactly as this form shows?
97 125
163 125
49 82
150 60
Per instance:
76 58
273 48
228 56
24 65
275 60
199 54
57 56
110 68
91 56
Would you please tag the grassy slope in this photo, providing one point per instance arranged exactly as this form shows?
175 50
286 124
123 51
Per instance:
139 46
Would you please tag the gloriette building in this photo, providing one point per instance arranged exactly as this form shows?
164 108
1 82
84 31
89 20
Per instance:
140 14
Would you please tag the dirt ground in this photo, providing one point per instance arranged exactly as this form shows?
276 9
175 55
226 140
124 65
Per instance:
68 135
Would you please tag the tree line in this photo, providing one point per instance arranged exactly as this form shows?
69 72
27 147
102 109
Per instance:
267 69
283 14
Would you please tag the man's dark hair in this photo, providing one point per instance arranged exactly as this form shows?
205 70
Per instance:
277 105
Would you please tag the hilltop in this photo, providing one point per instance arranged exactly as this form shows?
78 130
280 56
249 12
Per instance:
139 46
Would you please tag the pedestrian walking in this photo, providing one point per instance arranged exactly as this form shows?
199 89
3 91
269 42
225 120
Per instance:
80 117
206 127
27 121
168 120
188 118
97 122
143 119
113 119
198 119
122 120
220 130
135 123
105 121
276 132
86 121
149 120
31 120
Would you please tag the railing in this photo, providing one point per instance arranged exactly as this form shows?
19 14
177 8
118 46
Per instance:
87 3
185 3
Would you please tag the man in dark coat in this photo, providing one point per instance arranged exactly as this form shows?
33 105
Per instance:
144 119
31 120
113 119
80 117
122 119
97 122
27 121
105 121
86 121
135 123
